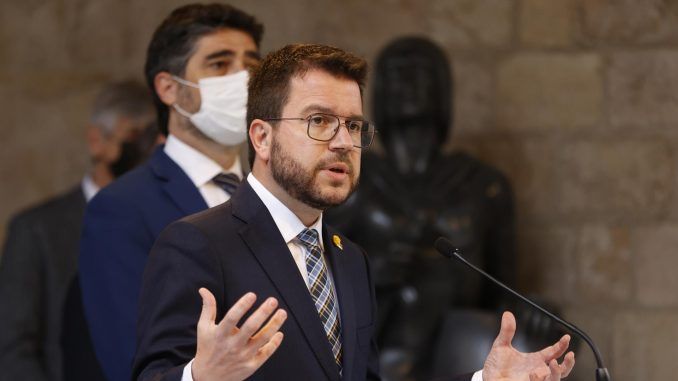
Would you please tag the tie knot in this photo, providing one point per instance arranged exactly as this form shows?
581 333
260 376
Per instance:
227 181
309 237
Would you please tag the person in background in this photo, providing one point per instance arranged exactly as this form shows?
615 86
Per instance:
38 267
196 67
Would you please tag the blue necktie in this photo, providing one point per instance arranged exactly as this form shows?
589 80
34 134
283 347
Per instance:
227 181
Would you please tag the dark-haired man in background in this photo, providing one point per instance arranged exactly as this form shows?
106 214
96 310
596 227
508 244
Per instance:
196 67
42 336
270 242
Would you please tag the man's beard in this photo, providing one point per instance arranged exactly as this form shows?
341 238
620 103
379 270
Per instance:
299 183
186 100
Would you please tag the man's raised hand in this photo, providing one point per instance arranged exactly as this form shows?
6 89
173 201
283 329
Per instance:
228 353
505 363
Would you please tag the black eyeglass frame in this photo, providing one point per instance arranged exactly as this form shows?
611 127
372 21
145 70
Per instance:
336 130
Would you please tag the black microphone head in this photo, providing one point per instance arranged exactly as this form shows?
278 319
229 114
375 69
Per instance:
444 247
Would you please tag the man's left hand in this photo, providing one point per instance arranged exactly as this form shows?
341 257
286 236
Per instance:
505 363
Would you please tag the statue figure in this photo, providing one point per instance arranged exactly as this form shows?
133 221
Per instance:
412 194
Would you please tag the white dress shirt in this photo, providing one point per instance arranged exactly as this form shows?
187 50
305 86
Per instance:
289 226
201 169
89 188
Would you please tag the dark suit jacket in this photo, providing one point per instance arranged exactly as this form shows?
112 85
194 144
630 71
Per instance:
121 223
40 337
235 248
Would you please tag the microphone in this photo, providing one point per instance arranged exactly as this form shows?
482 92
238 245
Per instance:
446 248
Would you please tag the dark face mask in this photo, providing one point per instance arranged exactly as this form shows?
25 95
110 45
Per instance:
134 151
130 156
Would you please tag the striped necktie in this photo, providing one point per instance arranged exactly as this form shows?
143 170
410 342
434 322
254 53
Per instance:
227 181
320 288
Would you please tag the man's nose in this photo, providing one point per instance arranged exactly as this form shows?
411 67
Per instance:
238 65
342 140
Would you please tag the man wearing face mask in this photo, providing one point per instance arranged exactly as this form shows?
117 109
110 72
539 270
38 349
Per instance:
196 67
41 338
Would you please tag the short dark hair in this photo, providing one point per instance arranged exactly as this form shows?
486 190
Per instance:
269 84
174 41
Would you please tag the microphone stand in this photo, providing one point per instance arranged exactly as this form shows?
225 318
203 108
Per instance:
445 247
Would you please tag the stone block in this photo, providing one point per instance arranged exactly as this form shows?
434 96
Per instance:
473 101
362 27
471 23
655 265
95 34
644 345
549 91
531 164
34 36
641 88
47 153
619 22
546 23
546 263
622 180
671 214
604 265
597 322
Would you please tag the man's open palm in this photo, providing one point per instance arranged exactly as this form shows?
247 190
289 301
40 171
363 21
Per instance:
228 353
505 363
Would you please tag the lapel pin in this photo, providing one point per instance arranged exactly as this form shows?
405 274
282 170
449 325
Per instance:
337 242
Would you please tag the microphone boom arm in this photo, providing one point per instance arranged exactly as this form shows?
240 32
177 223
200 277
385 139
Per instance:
445 247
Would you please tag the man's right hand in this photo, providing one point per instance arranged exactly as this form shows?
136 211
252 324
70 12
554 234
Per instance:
228 353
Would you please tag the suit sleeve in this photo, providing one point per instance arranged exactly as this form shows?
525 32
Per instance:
113 252
180 263
22 300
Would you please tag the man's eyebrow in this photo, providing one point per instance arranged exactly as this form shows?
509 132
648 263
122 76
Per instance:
253 54
315 108
220 54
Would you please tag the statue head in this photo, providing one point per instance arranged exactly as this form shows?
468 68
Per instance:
412 101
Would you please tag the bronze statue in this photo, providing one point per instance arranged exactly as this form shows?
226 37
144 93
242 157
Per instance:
414 193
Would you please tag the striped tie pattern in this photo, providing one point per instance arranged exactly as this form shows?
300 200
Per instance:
227 181
321 290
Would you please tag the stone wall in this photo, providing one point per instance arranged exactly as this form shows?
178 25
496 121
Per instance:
575 100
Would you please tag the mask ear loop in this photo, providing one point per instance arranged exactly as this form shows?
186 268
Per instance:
181 111
184 82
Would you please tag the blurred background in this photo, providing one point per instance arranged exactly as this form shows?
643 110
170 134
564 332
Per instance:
576 101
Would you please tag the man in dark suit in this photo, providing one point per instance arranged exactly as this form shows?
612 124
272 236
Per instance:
306 133
42 337
196 68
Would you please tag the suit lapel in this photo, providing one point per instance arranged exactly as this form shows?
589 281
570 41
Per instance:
266 243
176 184
338 261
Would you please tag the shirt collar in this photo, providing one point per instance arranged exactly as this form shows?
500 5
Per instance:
89 188
199 168
287 222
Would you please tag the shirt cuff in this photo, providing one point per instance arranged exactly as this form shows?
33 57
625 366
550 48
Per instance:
187 375
477 376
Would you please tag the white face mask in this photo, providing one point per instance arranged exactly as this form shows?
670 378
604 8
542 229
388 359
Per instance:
223 107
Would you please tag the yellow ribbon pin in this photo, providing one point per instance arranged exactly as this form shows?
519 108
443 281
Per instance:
337 242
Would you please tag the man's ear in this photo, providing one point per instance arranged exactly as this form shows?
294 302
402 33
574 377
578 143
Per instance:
166 87
261 136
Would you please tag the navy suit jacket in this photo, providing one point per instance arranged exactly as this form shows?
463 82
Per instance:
235 248
120 226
